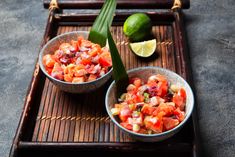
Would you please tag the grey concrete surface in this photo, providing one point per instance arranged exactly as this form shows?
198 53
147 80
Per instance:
210 26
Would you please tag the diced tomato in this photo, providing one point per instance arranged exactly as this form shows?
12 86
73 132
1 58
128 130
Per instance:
159 114
182 93
106 56
69 69
68 77
93 52
161 78
126 125
78 79
131 88
73 60
162 88
152 84
135 97
85 61
80 38
156 100
130 98
105 50
57 72
169 123
167 109
153 123
94 69
118 106
79 67
140 98
147 109
104 62
158 127
92 77
57 75
49 61
86 43
79 73
90 68
67 48
96 49
179 101
64 46
122 105
58 54
49 70
179 114
125 113
74 45
57 67
157 85
135 81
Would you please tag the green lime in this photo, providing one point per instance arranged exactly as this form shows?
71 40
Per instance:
144 48
137 27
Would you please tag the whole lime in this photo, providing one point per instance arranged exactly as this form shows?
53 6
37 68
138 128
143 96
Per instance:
137 27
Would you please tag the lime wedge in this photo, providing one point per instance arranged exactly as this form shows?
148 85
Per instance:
144 48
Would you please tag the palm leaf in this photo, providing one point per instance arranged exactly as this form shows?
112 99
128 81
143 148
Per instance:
119 71
98 33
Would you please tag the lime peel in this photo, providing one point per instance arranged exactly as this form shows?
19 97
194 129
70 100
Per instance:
137 27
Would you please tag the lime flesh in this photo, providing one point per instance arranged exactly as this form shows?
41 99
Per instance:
145 48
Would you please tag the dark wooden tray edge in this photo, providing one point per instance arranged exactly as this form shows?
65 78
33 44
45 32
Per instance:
37 74
179 16
32 89
121 4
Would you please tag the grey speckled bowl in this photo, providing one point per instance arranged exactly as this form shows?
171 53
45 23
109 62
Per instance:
144 73
53 45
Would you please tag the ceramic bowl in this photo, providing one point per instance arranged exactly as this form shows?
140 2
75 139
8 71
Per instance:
85 87
144 73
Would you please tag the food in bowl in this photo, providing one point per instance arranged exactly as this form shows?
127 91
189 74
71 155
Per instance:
151 107
78 61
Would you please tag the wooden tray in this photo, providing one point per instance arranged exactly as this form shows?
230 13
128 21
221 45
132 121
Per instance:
55 123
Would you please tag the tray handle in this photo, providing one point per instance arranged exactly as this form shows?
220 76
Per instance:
53 5
177 5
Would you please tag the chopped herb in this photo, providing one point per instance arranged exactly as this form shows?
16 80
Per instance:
131 106
146 97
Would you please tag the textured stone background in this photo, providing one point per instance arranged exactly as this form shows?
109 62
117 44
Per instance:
210 26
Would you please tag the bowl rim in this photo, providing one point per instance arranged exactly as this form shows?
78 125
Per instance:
157 134
63 82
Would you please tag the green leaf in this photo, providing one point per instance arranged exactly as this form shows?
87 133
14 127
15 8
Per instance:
98 33
119 71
